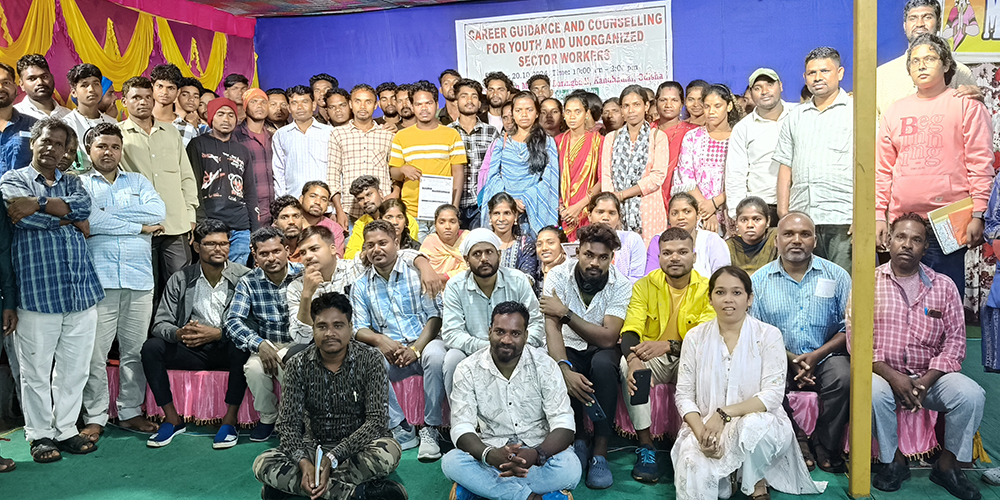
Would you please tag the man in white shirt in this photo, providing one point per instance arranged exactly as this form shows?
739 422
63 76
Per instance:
85 84
38 86
750 168
515 397
300 148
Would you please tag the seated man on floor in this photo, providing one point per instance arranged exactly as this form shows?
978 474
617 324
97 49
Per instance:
393 315
257 323
805 296
665 304
368 194
323 273
333 404
187 333
584 301
919 348
511 419
471 295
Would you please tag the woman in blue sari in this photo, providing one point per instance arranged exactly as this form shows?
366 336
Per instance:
525 165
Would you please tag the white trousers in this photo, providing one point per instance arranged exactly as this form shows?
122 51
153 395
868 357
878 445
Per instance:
53 395
261 385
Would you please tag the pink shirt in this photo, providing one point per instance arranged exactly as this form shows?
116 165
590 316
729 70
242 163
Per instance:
338 233
931 153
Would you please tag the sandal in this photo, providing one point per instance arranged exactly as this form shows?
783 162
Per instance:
42 446
824 456
7 465
807 454
763 496
77 445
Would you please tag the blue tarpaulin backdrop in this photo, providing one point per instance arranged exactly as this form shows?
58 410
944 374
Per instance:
717 40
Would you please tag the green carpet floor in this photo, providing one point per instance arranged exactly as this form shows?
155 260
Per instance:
124 469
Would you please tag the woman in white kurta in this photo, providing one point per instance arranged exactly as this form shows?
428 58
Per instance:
735 364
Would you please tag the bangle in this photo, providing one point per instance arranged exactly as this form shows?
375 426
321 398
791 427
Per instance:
486 452
415 351
565 362
714 204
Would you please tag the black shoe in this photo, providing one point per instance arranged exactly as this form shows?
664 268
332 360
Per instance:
891 477
956 483
269 493
380 490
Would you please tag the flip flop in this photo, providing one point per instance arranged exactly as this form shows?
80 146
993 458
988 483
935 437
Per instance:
77 445
7 464
807 455
837 465
42 446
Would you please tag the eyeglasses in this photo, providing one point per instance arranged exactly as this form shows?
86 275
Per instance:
924 61
211 245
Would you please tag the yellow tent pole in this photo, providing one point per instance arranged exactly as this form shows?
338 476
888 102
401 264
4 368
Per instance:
863 284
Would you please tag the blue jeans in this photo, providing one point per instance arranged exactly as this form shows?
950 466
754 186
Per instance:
959 397
396 415
239 246
561 472
951 265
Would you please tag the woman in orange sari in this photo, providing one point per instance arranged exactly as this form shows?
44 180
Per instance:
579 165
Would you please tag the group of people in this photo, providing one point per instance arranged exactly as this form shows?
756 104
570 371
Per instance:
590 251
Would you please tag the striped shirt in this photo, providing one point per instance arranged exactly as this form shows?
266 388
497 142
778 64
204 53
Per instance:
354 152
121 252
343 411
54 272
612 300
477 143
395 307
299 157
819 148
259 310
809 312
432 152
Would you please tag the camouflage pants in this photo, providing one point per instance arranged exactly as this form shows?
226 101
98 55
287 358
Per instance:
376 461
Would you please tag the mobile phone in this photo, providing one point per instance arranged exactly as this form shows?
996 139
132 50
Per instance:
595 412
642 378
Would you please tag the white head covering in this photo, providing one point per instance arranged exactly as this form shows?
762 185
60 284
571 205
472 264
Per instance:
479 235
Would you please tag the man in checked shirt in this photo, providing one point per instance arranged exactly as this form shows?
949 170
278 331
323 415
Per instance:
919 348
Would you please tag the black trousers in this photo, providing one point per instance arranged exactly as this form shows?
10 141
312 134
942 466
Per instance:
601 367
170 254
158 356
833 384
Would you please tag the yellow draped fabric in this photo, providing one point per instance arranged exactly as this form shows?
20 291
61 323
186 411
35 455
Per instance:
36 35
117 68
211 76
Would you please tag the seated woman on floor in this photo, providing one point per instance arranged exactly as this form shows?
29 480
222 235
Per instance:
394 211
710 249
517 249
442 246
630 259
754 242
549 250
730 386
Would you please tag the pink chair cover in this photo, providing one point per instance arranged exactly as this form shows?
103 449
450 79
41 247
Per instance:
199 397
410 394
916 430
666 420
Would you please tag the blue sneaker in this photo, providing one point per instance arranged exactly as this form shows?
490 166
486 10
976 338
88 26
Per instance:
582 452
458 492
261 432
558 495
598 474
407 438
165 435
646 470
227 437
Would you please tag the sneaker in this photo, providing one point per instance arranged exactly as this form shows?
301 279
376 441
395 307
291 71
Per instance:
429 450
598 474
165 435
261 432
227 437
582 452
558 495
992 476
407 438
379 489
646 470
458 492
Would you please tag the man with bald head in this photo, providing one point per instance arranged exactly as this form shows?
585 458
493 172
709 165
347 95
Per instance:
805 296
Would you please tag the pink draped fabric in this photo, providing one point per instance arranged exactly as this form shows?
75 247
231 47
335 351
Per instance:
666 420
202 16
410 394
198 397
916 430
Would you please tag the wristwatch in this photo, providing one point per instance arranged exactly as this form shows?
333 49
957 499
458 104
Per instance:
566 318
725 416
42 201
333 460
542 456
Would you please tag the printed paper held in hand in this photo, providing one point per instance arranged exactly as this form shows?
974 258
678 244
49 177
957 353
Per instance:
435 190
950 224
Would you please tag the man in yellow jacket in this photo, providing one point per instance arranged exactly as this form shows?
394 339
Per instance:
665 305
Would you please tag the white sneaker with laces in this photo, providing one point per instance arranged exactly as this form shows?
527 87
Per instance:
429 449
